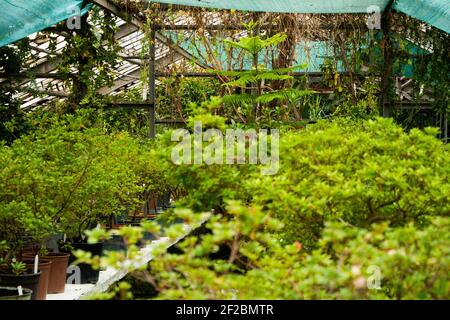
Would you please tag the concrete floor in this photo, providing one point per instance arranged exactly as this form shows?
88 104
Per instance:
111 276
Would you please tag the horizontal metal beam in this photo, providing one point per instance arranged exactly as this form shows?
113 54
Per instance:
28 75
170 121
123 81
213 75
130 105
135 74
53 93
240 27
114 9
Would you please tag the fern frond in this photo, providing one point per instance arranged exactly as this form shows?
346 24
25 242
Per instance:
254 45
269 97
249 79
290 69
239 99
272 77
242 81
284 95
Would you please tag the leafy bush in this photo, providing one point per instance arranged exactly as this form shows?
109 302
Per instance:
207 186
351 263
68 176
12 117
358 173
176 94
355 212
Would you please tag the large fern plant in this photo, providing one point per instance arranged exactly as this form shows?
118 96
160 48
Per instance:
260 78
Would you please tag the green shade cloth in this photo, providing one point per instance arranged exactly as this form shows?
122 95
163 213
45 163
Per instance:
20 18
288 6
433 12
312 53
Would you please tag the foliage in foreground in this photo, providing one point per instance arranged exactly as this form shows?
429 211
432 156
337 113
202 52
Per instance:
351 263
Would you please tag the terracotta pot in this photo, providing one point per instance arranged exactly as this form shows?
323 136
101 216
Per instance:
29 281
11 293
58 271
153 203
32 249
44 268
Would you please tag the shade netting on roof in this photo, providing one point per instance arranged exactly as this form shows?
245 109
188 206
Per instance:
433 12
286 6
20 18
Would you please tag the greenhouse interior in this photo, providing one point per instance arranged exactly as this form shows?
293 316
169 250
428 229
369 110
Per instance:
224 150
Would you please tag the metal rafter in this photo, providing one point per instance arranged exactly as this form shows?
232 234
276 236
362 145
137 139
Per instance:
114 9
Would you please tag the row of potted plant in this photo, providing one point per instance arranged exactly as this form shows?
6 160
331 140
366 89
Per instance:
66 177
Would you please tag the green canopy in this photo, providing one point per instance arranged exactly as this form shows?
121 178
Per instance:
20 18
288 6
433 12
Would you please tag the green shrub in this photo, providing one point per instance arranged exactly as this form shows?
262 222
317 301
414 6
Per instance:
358 173
351 263
207 186
68 176
358 210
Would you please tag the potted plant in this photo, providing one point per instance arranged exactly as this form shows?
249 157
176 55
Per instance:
17 266
15 273
87 273
18 225
30 204
57 271
89 174
12 293
44 267
107 187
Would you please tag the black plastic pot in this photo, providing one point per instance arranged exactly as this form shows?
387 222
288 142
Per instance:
45 269
58 271
11 293
164 201
88 275
28 281
115 243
